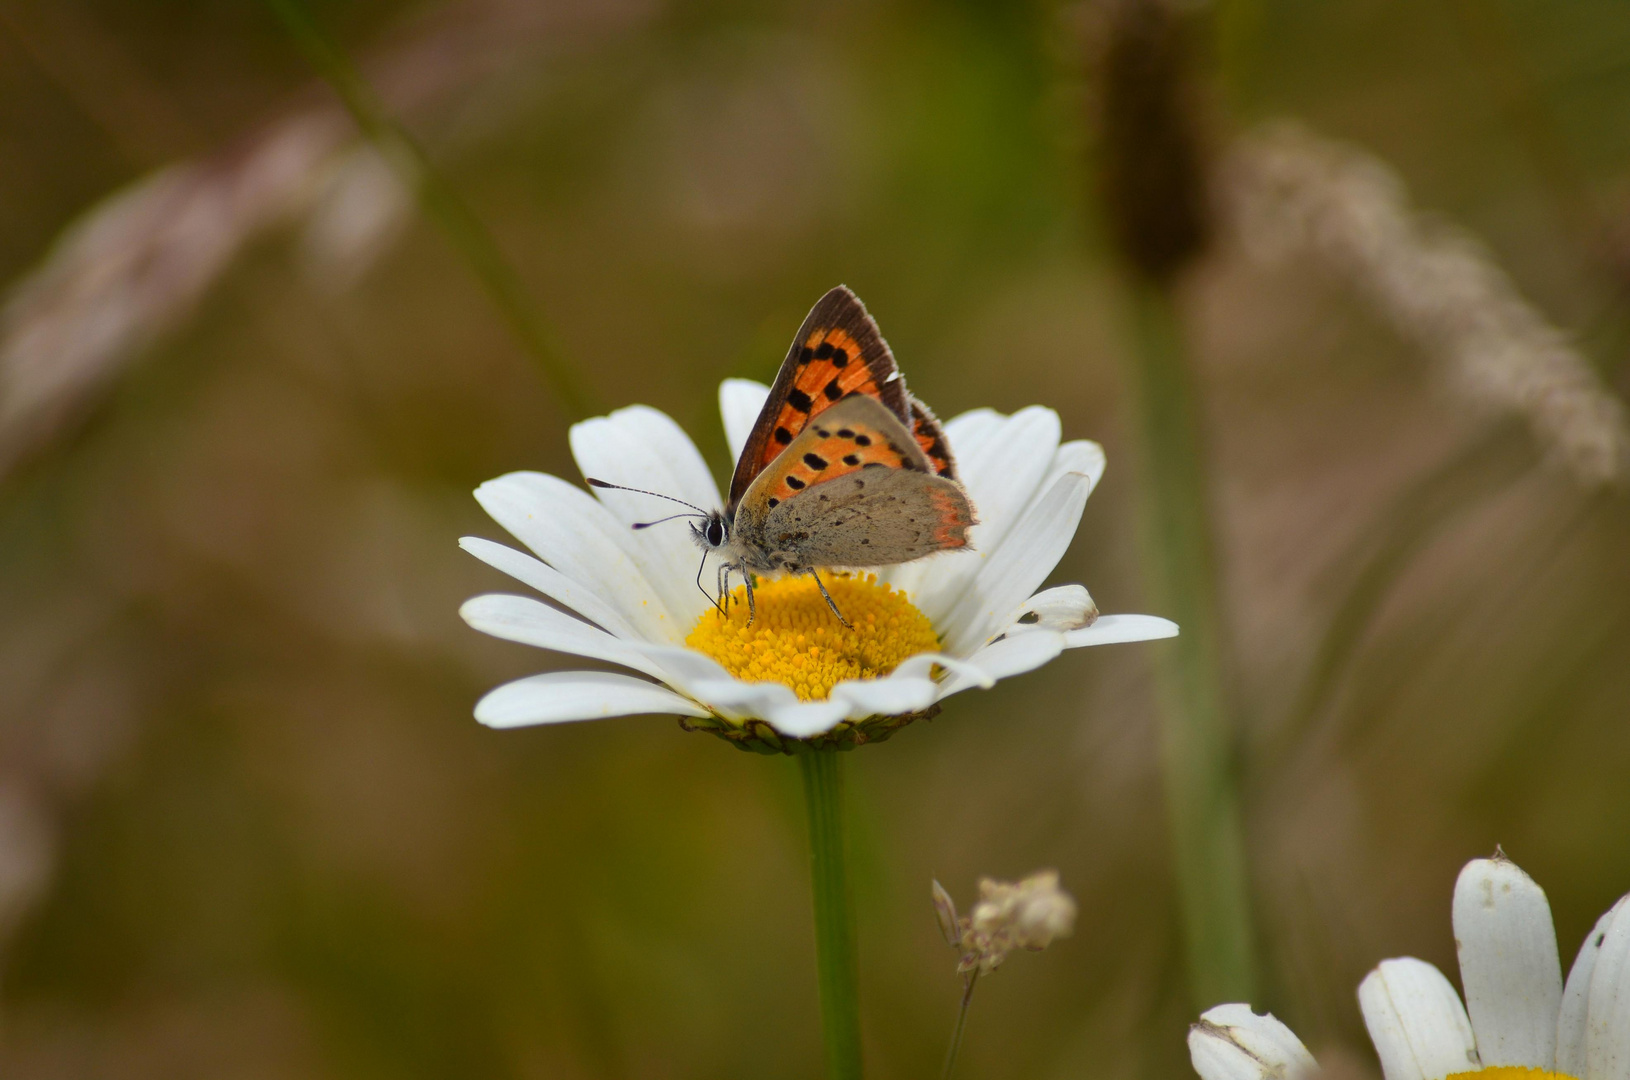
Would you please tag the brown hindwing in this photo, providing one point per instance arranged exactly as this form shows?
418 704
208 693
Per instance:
837 353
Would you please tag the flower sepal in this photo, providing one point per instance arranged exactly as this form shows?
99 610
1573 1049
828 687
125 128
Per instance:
759 737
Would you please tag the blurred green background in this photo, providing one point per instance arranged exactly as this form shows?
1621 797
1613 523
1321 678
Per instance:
248 827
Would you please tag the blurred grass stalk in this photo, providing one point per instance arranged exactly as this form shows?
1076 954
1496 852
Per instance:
1153 188
1175 544
836 955
440 202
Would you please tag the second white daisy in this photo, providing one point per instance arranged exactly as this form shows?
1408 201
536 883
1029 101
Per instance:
1519 1021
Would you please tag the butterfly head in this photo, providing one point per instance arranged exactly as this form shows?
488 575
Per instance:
712 532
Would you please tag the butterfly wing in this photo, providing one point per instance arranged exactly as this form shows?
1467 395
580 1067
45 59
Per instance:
894 516
925 428
838 352
854 488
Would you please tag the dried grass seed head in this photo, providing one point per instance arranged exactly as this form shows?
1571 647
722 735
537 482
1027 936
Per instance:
1286 191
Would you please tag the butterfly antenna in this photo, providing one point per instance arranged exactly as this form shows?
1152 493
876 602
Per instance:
641 491
659 521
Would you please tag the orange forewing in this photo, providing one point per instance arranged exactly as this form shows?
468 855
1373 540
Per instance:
837 352
838 452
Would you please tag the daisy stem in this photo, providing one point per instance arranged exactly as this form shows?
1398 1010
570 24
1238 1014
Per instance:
835 954
1202 801
961 1023
439 200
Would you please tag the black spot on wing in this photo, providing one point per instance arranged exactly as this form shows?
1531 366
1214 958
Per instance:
851 460
799 400
815 461
840 357
832 390
783 436
795 483
863 440
772 503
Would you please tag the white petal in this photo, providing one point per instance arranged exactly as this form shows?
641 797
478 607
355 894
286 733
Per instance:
921 665
1607 1013
642 448
1021 564
1116 629
1077 456
685 664
1232 1043
1006 469
1508 964
561 696
740 402
547 580
708 681
909 688
1416 1021
1570 1024
571 531
894 695
967 432
705 679
740 701
1002 471
1061 608
942 586
1012 655
532 622
801 719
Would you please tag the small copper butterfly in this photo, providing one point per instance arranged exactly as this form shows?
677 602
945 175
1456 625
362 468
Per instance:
844 467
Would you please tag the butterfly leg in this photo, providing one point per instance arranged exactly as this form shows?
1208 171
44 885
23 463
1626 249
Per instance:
752 608
829 602
723 584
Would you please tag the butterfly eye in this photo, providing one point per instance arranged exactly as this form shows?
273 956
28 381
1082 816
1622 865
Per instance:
715 533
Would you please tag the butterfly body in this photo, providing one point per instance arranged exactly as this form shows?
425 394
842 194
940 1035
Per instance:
844 468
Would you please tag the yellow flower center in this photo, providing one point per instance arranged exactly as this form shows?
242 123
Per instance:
1508 1072
795 639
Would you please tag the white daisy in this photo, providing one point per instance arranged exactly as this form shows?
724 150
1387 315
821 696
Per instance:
1519 1021
922 631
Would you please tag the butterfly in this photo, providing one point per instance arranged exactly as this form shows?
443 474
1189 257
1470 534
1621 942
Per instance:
843 468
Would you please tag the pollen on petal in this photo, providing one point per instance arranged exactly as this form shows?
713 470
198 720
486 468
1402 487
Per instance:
796 640
1508 1072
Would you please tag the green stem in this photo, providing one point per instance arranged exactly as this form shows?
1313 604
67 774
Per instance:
1196 742
440 202
961 1024
835 954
